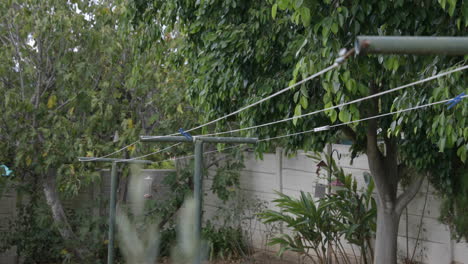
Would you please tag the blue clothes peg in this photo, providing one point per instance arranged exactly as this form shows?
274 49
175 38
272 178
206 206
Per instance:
455 100
185 134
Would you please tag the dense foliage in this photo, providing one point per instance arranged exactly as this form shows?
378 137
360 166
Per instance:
238 51
33 235
73 85
84 78
36 237
222 242
73 82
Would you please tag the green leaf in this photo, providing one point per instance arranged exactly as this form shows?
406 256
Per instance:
396 64
334 28
442 144
179 109
298 4
305 15
461 152
333 115
325 31
344 115
283 4
52 101
388 63
452 5
274 8
350 85
296 97
297 112
304 102
304 91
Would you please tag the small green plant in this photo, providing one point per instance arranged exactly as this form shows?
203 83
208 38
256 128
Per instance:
224 242
168 239
318 226
354 214
309 222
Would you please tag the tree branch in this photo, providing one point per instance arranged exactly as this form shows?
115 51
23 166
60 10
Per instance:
16 41
178 205
375 157
349 132
53 200
372 147
391 160
215 162
409 194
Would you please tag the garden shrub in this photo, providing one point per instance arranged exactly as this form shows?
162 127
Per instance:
348 214
224 242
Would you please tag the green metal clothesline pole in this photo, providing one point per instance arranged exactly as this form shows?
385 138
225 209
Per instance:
112 209
198 195
113 195
415 45
198 172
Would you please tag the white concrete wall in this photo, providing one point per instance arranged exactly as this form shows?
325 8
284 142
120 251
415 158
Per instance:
261 178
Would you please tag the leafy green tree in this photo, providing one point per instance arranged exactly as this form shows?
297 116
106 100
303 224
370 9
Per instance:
43 67
73 84
239 51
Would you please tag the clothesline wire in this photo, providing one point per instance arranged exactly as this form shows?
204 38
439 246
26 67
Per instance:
364 119
343 104
204 153
155 152
315 75
439 75
336 64
115 152
330 126
343 55
266 98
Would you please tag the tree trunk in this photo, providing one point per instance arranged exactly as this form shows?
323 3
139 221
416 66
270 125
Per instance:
60 219
386 236
387 172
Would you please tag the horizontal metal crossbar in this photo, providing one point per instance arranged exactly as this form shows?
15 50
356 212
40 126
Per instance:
417 45
89 159
204 139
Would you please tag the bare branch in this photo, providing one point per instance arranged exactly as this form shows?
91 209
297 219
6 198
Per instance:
14 39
